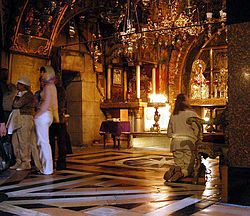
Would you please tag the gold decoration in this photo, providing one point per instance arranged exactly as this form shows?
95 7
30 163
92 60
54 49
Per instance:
199 87
198 66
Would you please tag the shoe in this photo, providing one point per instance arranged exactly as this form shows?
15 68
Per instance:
23 167
177 176
14 166
41 173
37 172
51 173
61 167
169 173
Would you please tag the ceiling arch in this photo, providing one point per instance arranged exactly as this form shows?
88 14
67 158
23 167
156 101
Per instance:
36 27
38 23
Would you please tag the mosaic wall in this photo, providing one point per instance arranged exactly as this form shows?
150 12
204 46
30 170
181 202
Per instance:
239 94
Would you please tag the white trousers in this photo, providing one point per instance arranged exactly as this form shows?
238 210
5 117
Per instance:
42 124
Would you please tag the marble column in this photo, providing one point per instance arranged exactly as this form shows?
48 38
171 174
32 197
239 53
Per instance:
138 81
154 79
238 133
109 83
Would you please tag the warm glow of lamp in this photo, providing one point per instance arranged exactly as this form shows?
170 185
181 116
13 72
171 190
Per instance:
158 98
207 116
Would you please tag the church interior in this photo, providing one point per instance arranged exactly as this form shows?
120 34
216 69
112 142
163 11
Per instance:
122 63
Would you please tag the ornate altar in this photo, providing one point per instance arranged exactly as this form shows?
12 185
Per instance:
208 80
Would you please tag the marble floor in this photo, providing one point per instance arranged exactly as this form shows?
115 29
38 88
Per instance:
109 182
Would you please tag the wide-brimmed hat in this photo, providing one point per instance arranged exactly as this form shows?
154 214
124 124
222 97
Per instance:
24 81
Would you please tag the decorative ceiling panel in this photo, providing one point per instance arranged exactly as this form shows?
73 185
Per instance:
37 26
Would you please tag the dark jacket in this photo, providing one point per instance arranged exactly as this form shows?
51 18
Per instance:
25 103
1 106
61 95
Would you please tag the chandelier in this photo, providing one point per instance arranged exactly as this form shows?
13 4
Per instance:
95 46
130 28
169 23
153 24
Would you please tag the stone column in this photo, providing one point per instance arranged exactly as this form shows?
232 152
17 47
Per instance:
125 87
238 102
109 83
131 118
139 126
138 81
154 79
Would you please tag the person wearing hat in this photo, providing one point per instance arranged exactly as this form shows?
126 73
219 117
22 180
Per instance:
46 114
23 133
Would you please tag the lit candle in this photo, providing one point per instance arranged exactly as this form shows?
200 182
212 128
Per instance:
223 14
209 15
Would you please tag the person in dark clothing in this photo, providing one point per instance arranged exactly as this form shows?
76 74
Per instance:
8 92
58 129
2 119
37 95
68 142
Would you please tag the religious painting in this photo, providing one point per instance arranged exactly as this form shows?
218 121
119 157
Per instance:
117 76
220 59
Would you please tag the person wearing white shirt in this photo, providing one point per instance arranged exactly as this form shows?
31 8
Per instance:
183 138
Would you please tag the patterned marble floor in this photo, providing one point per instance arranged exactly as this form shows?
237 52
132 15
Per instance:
108 182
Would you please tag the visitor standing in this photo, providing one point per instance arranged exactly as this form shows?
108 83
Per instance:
21 124
47 113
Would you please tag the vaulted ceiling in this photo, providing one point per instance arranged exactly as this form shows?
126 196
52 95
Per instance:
31 26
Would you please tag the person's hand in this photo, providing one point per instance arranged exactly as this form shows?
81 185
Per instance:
2 129
19 94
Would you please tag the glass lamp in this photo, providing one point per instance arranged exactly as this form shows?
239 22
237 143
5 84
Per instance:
157 100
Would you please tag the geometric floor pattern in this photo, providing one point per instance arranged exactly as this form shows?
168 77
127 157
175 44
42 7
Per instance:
109 182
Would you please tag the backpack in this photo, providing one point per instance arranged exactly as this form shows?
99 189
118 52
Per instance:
7 157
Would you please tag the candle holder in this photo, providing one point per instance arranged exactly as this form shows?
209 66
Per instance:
156 101
156 126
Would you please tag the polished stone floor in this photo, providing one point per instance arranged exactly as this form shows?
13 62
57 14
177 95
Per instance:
109 182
